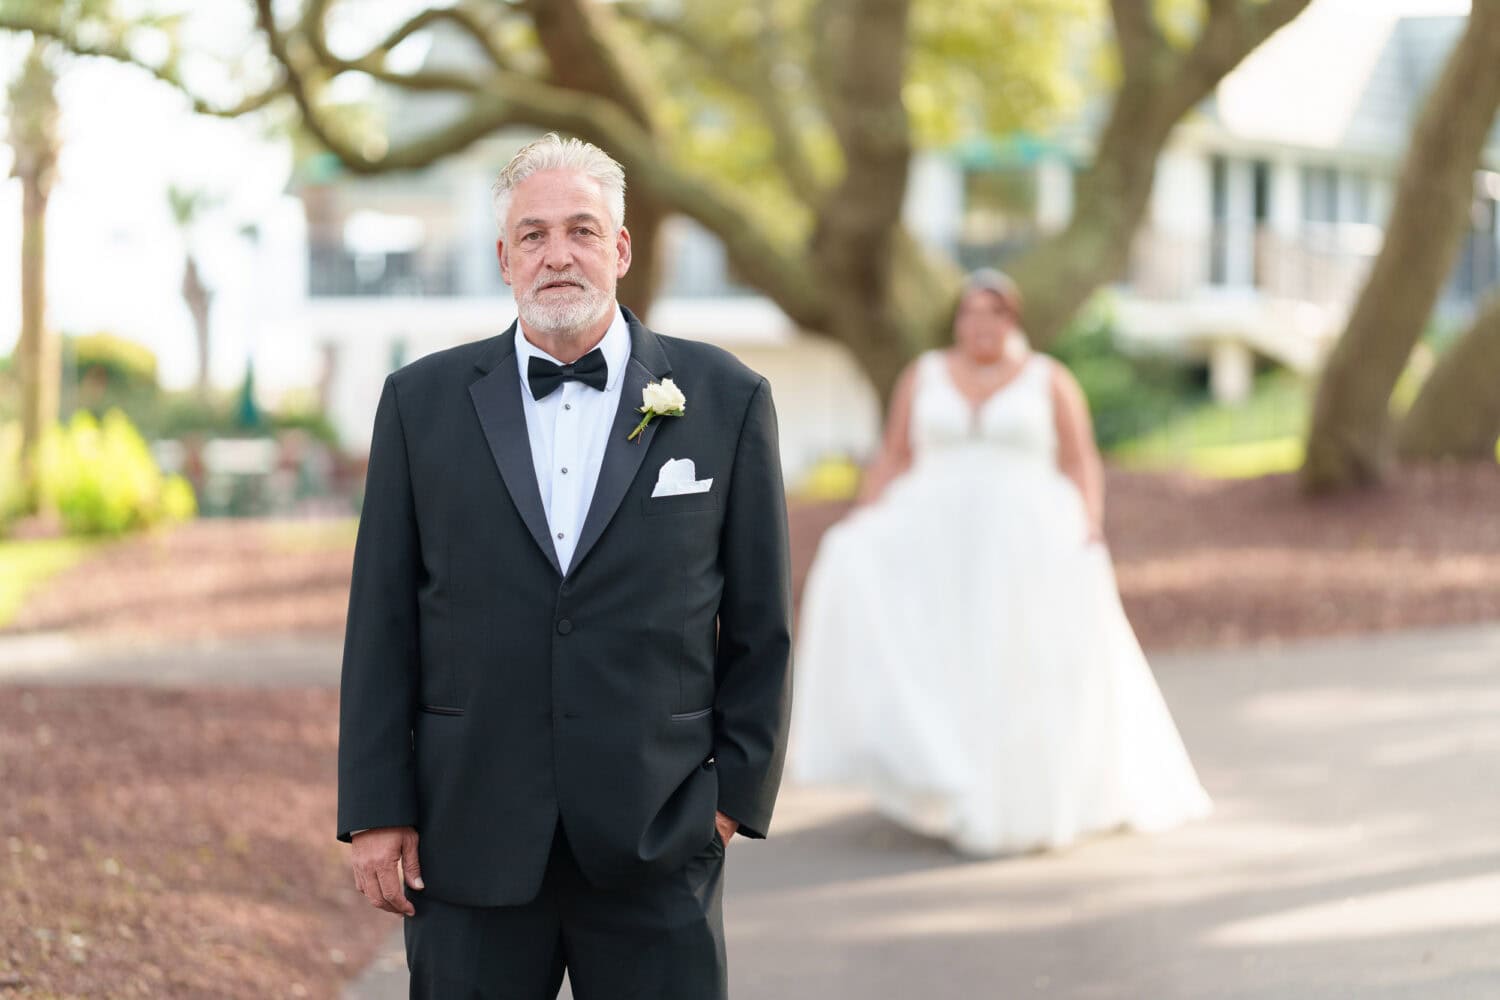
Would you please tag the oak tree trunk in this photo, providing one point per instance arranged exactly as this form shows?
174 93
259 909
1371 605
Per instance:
1349 441
1457 413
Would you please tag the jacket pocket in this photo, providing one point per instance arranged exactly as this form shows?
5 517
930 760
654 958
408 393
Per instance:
685 503
685 716
441 710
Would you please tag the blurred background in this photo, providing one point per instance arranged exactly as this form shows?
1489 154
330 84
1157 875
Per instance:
1263 234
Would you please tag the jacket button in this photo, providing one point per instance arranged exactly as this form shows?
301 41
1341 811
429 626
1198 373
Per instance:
564 626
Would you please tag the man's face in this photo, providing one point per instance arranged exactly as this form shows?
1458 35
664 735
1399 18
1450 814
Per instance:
560 253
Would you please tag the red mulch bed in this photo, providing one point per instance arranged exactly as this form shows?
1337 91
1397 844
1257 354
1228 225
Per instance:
1226 564
174 844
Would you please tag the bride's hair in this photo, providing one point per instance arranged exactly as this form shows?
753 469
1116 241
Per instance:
989 279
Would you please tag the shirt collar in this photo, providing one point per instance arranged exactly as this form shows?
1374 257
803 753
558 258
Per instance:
615 345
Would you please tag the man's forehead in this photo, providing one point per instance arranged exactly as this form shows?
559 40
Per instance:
557 196
532 218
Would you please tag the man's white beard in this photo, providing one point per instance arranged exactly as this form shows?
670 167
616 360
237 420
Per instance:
565 314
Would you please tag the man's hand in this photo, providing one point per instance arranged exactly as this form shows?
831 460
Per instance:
385 863
726 826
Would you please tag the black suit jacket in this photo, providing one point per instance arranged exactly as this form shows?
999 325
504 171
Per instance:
486 697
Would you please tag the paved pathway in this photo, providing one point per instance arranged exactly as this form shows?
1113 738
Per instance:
1355 851
54 658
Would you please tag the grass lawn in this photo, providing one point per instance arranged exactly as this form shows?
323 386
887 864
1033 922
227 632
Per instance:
26 564
312 536
1259 437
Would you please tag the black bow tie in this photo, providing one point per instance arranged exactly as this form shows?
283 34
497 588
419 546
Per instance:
544 376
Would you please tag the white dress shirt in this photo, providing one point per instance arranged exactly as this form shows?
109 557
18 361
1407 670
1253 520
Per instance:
569 429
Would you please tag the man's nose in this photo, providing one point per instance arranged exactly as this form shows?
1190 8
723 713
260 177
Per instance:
558 255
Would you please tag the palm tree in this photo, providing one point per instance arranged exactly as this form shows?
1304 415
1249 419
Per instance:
187 207
35 139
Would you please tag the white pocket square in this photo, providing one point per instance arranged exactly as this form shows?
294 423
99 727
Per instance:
678 477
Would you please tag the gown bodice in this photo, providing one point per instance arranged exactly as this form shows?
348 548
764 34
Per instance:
1015 421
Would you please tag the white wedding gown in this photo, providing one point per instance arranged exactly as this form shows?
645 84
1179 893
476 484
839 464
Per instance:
962 653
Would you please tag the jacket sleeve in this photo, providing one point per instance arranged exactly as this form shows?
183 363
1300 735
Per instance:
753 665
379 681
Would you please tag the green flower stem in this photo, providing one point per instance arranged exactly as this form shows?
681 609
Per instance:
647 419
641 426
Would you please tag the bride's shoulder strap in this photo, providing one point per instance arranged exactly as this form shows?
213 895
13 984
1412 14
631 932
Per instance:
929 359
1043 365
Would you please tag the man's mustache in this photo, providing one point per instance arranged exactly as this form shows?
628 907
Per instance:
562 279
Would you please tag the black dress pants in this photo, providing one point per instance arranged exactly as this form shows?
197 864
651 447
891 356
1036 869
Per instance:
662 940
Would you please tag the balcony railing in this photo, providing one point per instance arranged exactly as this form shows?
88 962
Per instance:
335 271
1323 263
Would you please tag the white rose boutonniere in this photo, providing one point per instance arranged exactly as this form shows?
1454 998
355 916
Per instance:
659 399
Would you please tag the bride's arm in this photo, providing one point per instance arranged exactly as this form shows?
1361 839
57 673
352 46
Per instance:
895 451
1077 453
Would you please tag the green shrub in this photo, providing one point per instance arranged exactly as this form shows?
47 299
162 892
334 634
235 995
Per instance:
833 478
12 495
1128 396
102 480
123 364
180 414
315 423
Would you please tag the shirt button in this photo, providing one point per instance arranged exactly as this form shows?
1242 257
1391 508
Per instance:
565 470
559 536
564 626
567 406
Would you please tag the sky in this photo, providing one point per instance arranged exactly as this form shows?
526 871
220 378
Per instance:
114 256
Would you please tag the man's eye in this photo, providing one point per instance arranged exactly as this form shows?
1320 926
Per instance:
533 237
581 231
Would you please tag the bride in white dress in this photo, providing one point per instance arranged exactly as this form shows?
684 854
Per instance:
962 654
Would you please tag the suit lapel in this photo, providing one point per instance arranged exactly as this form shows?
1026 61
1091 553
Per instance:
622 458
502 415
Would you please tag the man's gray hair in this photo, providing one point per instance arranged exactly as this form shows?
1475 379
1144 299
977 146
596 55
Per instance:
552 152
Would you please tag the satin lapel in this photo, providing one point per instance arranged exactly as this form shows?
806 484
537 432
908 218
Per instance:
502 414
622 458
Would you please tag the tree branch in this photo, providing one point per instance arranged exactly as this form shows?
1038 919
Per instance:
577 37
119 53
1234 29
464 18
866 71
756 82
1138 36
372 63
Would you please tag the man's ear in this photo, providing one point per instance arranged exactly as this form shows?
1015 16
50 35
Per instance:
504 264
622 248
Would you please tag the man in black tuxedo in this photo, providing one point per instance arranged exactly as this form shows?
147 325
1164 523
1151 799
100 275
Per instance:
567 670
